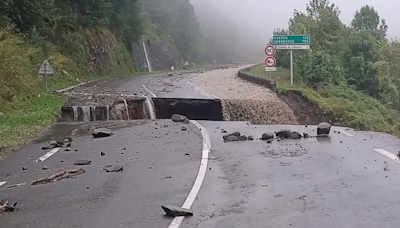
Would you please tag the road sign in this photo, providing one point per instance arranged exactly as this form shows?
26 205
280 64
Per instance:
270 50
270 62
291 40
293 47
46 70
270 69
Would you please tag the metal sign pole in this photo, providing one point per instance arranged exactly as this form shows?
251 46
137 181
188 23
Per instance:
291 68
45 76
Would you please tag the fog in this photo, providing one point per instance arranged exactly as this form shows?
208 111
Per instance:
248 24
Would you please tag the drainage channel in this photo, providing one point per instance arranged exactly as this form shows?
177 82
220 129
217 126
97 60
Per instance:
131 108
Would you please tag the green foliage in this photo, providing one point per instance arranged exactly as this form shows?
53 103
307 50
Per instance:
346 105
320 69
367 18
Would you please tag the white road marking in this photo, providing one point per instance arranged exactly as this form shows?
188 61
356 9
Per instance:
2 183
48 154
145 87
347 133
151 108
388 155
177 221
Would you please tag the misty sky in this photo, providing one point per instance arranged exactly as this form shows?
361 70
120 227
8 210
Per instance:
269 14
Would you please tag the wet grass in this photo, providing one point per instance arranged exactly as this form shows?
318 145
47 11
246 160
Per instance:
349 107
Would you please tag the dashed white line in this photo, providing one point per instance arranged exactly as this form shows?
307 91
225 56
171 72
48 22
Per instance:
48 154
2 183
177 221
388 155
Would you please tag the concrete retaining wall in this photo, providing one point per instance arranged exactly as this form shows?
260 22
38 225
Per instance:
245 75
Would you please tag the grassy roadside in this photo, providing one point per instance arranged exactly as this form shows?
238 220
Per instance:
28 119
349 107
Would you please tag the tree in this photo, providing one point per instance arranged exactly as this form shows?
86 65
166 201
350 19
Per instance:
362 56
367 18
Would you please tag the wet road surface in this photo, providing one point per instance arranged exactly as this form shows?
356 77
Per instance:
336 182
160 164
348 180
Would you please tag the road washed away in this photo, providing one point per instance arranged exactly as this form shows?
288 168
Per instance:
244 101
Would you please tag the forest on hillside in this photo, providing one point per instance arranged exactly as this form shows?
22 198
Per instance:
85 37
358 56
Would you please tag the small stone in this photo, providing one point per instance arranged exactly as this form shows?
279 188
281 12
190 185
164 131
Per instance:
102 153
306 135
323 128
124 148
2 148
223 131
179 118
45 167
295 135
341 141
267 135
284 134
242 138
269 140
114 168
232 138
101 133
250 137
183 128
24 168
76 150
68 149
176 211
82 162
236 133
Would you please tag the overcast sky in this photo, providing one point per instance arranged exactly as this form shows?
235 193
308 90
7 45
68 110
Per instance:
269 14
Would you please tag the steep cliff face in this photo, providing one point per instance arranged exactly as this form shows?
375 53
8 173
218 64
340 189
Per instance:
161 56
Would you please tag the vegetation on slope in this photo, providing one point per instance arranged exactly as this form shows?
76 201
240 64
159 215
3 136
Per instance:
351 71
348 106
88 39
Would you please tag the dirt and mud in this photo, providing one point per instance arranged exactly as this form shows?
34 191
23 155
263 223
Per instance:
245 101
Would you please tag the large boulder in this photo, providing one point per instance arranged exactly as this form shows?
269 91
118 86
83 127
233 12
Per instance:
323 128
284 134
295 135
179 118
267 135
236 133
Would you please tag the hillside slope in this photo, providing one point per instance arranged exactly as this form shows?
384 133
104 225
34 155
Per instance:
82 39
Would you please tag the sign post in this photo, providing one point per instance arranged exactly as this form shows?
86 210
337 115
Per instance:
270 61
291 42
45 71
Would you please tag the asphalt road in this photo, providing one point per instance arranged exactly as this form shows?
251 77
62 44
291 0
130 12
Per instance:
160 163
348 180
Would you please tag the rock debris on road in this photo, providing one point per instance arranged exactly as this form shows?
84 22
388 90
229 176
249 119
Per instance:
245 101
